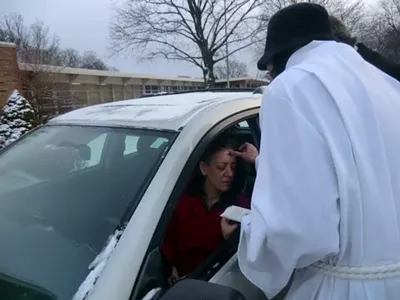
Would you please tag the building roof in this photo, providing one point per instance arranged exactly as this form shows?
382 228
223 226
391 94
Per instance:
10 45
169 112
99 73
246 78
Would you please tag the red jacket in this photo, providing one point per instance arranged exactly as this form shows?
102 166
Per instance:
194 232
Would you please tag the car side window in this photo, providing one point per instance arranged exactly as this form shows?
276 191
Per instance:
96 150
132 141
202 267
130 144
243 124
191 202
158 143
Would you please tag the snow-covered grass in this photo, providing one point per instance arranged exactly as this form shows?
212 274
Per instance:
16 119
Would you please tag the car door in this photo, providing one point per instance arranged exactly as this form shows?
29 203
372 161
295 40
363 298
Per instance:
230 274
151 276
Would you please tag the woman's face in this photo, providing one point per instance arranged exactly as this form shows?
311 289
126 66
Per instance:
219 172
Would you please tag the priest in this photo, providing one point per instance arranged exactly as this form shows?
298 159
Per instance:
326 201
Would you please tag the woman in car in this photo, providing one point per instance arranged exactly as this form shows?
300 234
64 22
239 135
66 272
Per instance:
196 228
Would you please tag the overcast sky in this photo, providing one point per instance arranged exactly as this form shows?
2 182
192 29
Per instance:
84 24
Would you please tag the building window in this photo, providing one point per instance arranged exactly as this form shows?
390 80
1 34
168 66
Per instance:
174 88
152 89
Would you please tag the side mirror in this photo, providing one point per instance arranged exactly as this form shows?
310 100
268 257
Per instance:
192 289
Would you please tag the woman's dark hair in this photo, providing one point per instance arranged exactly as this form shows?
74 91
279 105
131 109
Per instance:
222 142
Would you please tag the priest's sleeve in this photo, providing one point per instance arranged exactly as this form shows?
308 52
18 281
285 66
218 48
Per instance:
294 211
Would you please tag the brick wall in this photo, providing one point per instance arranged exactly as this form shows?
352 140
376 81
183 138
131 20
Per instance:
9 73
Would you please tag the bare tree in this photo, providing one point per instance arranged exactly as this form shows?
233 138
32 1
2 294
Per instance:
192 31
90 60
351 12
381 29
13 30
41 58
389 21
37 50
236 69
34 43
391 11
70 58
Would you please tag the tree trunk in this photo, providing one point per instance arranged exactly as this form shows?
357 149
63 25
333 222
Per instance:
211 77
208 69
205 78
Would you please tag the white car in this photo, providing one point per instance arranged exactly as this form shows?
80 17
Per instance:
85 199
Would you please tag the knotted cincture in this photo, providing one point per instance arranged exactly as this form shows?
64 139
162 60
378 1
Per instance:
361 273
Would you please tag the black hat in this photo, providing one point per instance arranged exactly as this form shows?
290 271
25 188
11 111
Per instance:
295 26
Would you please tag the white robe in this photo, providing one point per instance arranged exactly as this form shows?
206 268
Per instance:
328 178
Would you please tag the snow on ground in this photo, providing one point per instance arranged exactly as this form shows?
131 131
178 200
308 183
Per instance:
97 267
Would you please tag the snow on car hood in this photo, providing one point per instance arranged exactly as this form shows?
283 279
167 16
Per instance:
97 267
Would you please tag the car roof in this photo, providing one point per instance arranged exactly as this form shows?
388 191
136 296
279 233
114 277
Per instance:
165 112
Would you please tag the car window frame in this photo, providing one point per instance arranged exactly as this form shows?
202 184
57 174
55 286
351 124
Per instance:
184 177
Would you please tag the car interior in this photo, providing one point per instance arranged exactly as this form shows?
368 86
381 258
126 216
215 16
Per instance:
150 278
242 132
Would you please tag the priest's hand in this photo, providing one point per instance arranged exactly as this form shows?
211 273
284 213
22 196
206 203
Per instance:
227 228
247 151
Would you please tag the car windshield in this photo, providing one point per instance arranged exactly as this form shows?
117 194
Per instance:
64 190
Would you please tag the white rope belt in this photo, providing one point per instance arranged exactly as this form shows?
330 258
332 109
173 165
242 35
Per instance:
362 273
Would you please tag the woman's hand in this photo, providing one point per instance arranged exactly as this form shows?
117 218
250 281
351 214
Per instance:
248 152
174 276
227 228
